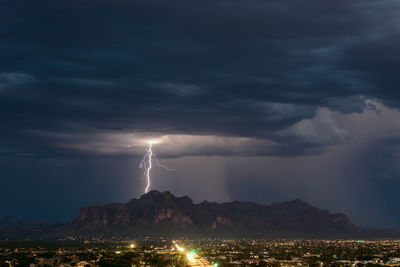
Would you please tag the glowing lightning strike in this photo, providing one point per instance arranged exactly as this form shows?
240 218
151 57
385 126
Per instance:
161 165
146 164
150 154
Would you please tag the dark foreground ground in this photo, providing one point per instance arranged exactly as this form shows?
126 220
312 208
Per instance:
206 252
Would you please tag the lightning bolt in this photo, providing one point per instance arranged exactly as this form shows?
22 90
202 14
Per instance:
161 165
147 164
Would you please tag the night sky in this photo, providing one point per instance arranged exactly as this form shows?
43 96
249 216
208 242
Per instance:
253 100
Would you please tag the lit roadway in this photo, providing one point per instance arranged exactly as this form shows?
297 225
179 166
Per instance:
191 258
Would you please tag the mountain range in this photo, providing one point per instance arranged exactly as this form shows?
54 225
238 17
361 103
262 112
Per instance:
163 214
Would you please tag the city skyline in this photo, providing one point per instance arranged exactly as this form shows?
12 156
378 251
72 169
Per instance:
261 101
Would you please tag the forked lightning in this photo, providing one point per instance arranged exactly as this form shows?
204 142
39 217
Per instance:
147 164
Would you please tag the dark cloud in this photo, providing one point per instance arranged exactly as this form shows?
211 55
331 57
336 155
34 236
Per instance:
155 66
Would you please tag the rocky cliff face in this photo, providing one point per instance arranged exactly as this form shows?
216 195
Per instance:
163 213
152 208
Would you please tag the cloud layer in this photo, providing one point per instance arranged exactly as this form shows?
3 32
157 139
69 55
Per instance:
228 68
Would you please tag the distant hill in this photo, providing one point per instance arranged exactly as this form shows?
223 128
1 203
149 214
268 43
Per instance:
14 229
156 213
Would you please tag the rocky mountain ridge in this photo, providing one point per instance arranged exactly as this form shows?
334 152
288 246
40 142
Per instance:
163 214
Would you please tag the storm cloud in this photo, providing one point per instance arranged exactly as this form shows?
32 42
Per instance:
273 80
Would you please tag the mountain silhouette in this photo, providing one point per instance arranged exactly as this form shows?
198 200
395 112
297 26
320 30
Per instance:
163 214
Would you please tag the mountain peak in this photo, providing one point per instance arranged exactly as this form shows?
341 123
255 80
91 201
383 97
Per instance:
155 193
155 197
161 213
